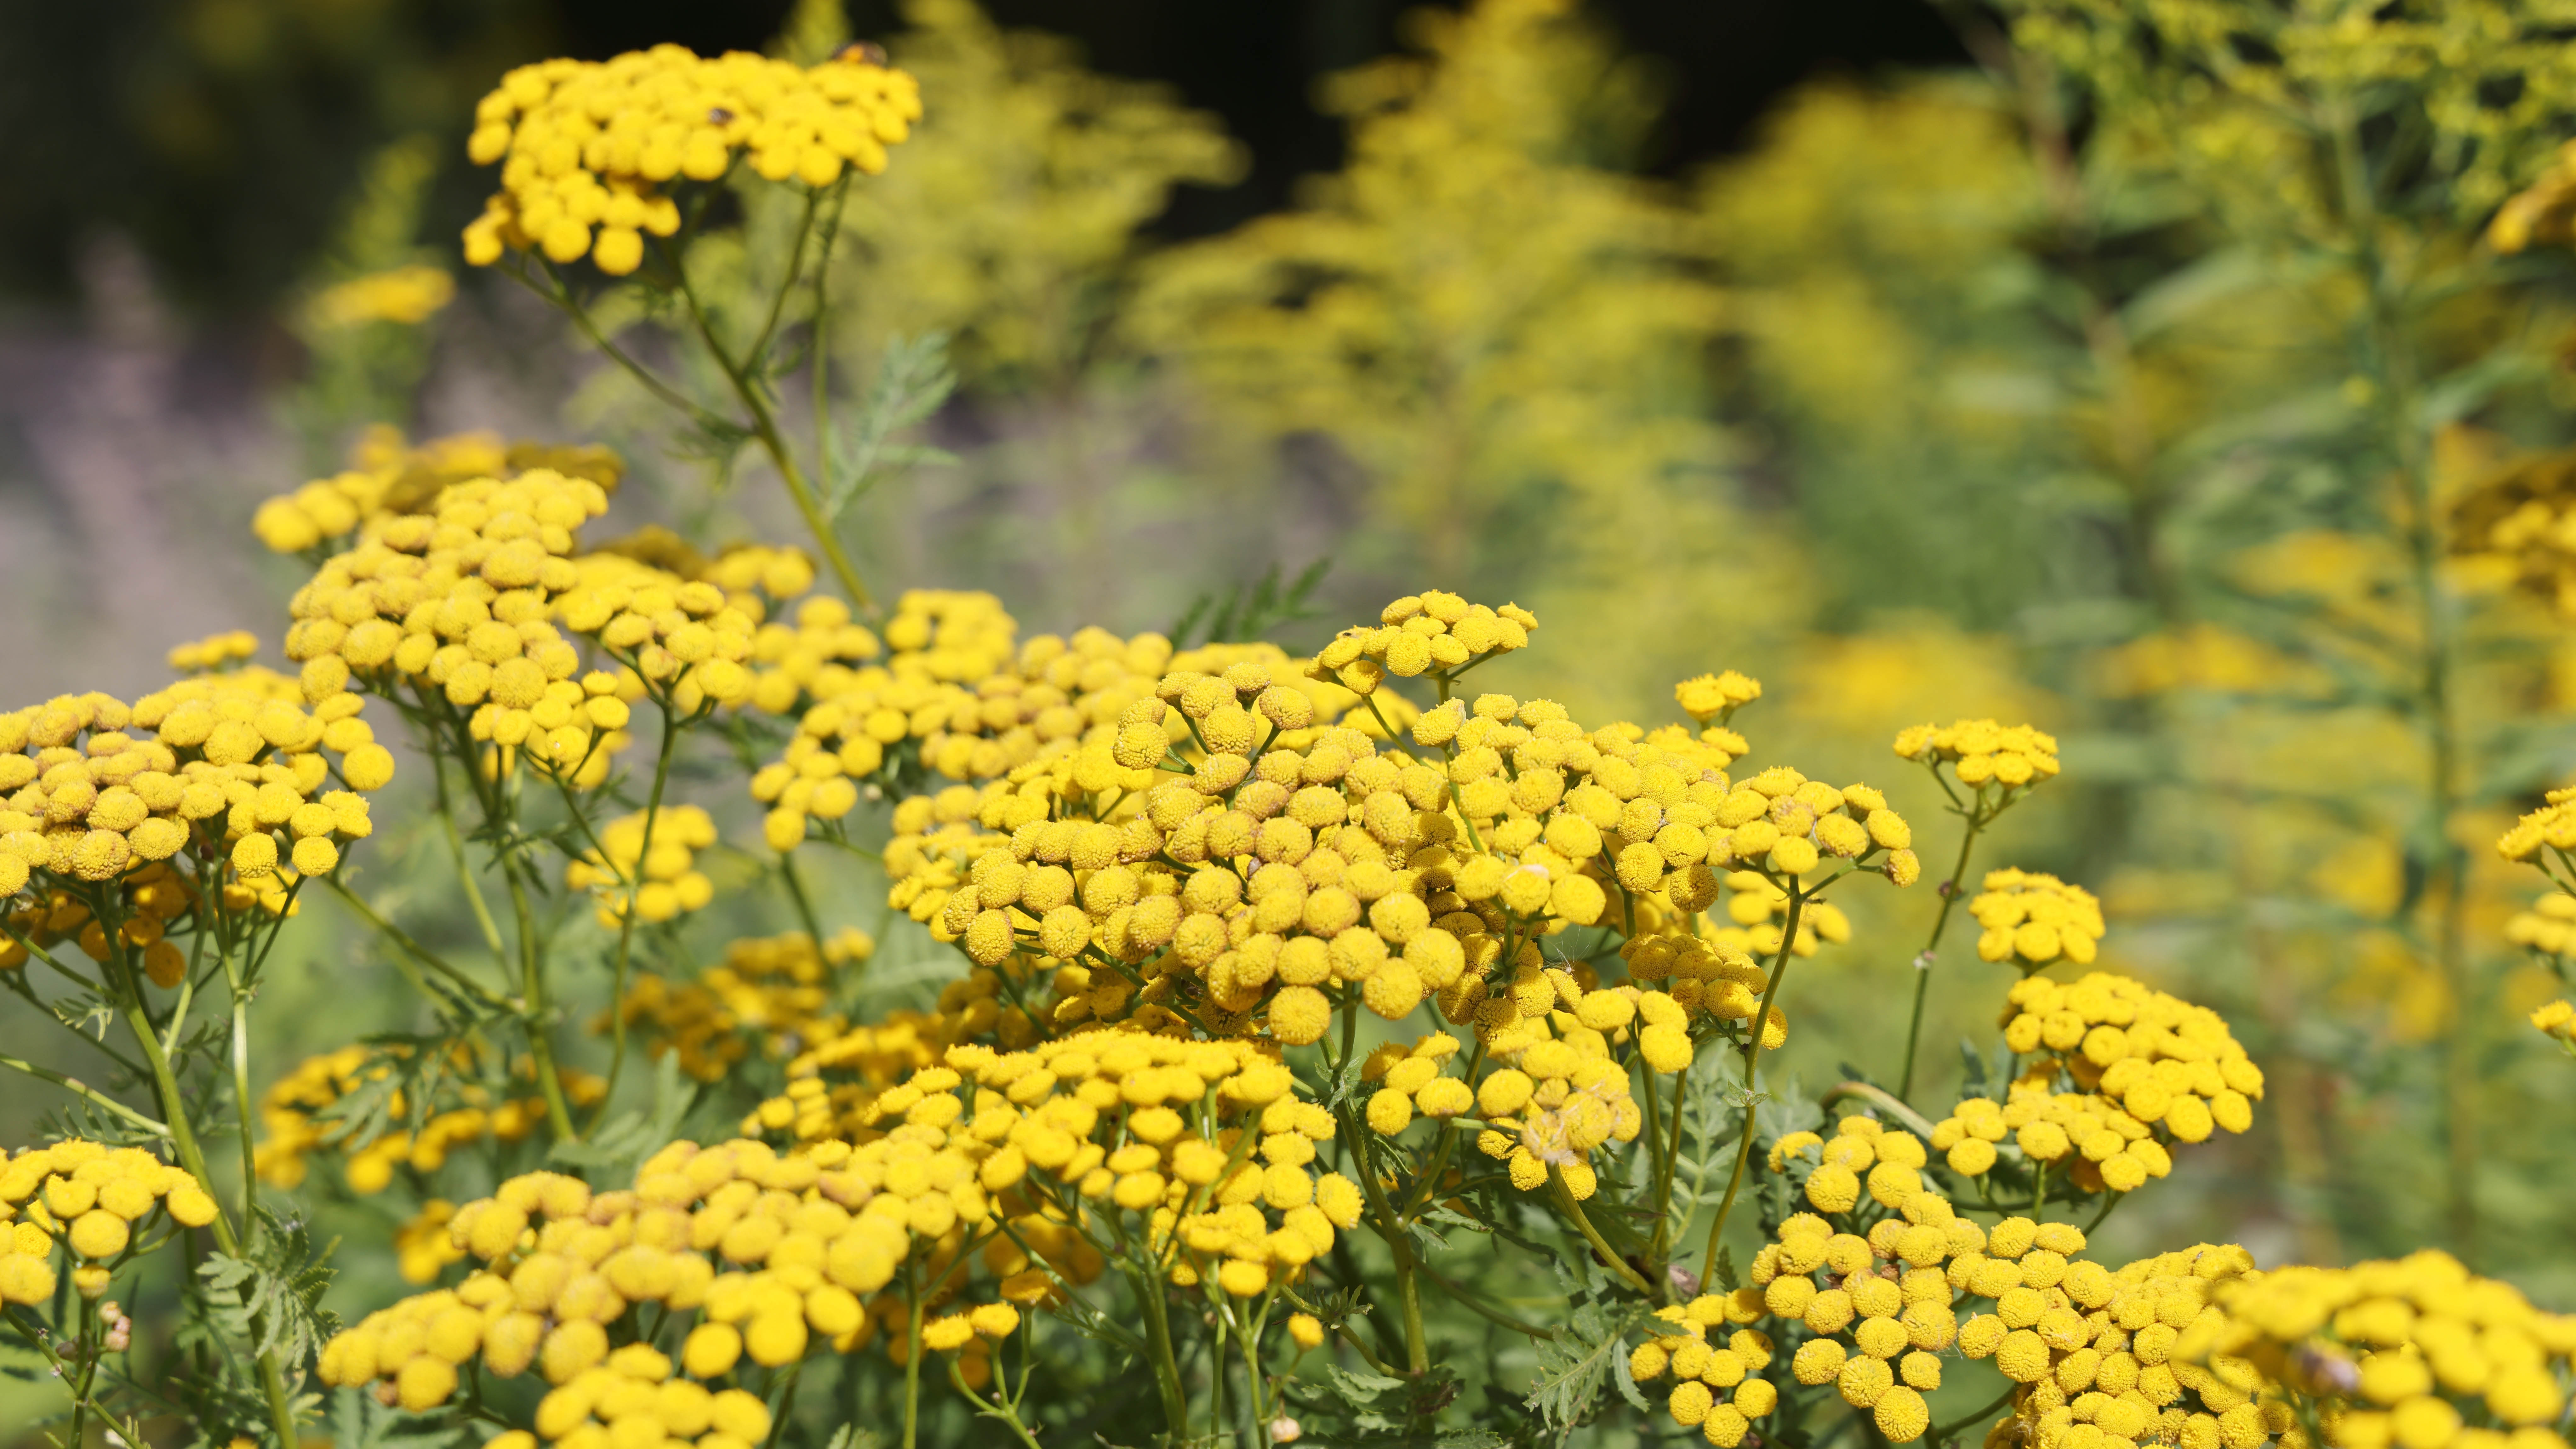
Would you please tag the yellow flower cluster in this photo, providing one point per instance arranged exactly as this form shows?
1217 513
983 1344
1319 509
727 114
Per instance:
1434 633
455 600
2557 1020
406 296
2035 920
2102 1362
2110 1148
1704 1367
683 637
1713 697
971 705
387 475
294 1127
768 994
154 896
1408 1080
1317 870
2404 1354
2166 1060
1557 1098
1702 976
214 652
2552 825
87 1198
2548 929
656 884
2518 525
1759 909
1980 751
864 1062
584 144
423 1247
233 762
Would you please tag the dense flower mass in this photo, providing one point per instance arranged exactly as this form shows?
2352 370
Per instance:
2034 920
587 145
386 475
2418 1353
87 1200
297 1124
769 996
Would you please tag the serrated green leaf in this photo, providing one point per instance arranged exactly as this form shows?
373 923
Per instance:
1573 1364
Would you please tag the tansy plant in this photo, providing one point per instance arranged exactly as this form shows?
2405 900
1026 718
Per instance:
1298 1026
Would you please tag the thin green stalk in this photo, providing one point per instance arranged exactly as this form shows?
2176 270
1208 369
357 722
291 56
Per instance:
634 903
1752 1064
241 1081
1158 1335
912 1360
410 950
88 1094
765 427
1672 1162
183 1137
1467 1299
532 989
1574 1210
1950 889
1417 1352
465 868
803 903
998 1407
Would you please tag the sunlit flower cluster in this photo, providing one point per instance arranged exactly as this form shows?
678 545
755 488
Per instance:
2417 1353
2552 825
87 1199
2166 1060
2035 920
2101 1359
1432 633
586 144
646 864
1980 751
2547 930
388 475
232 772
1713 1385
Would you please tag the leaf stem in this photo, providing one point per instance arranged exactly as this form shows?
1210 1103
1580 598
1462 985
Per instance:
1752 1063
1978 819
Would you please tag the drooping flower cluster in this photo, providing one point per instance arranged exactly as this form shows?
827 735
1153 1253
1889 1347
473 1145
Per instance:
1979 751
2416 1353
85 1198
656 880
2035 920
388 475
768 996
586 144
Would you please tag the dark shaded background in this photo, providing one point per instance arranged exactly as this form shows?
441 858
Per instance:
222 135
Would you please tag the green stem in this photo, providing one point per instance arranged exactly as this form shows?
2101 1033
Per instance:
912 1360
1672 1162
1158 1335
1591 1234
804 904
1467 1299
1883 1100
183 1137
634 908
410 950
241 1080
532 990
765 427
1752 1064
88 1094
1417 1352
465 869
1950 890
1942 1434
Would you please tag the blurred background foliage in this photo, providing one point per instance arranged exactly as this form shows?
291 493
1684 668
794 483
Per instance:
2054 362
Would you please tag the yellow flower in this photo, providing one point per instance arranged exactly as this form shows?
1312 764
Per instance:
586 145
